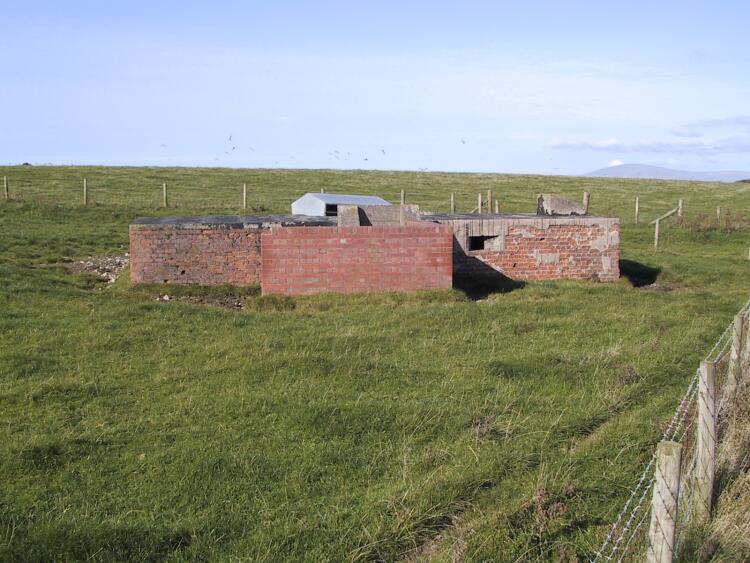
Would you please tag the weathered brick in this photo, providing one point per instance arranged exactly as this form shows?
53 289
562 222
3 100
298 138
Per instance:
358 259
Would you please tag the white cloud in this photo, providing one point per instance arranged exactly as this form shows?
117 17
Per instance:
604 144
684 132
735 121
727 145
615 162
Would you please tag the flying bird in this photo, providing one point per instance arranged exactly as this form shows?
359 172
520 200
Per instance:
382 150
230 139
463 142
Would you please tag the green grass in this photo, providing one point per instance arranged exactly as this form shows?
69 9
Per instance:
337 427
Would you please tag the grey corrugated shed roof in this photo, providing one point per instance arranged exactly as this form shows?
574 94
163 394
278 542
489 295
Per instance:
348 199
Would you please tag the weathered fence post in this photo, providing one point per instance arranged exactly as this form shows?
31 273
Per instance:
705 443
322 190
479 202
637 208
586 201
403 197
489 201
718 216
734 370
244 196
497 207
85 193
661 534
656 234
453 202
5 187
680 207
164 194
745 352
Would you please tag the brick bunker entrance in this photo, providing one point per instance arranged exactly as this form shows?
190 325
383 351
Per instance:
372 248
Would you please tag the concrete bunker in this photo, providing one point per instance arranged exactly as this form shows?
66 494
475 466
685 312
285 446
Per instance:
373 245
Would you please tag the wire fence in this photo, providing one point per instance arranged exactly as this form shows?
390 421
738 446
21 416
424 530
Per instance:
271 190
627 539
189 192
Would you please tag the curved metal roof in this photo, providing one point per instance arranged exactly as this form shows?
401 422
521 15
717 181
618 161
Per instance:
346 199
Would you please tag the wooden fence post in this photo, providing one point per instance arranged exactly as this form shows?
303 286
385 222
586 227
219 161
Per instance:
85 193
637 208
489 201
322 190
745 353
479 202
656 234
586 201
718 216
680 207
453 202
705 443
497 207
164 194
5 187
661 534
244 196
403 197
734 370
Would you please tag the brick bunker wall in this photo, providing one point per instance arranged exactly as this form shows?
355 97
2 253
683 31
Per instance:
549 249
308 260
206 256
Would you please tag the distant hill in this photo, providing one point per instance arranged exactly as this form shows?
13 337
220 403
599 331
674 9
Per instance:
660 173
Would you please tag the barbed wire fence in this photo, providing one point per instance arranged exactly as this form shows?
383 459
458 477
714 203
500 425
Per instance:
729 361
250 191
138 191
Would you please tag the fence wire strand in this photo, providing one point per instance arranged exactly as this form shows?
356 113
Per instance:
625 535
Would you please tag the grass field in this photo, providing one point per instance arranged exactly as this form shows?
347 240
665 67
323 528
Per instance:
382 427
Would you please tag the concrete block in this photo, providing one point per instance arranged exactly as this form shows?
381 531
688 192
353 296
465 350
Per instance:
550 204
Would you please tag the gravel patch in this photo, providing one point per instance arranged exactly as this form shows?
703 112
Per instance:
107 268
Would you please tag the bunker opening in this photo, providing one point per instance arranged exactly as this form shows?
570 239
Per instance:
478 242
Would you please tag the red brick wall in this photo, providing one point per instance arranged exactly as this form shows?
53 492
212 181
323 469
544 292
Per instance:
559 251
207 256
307 260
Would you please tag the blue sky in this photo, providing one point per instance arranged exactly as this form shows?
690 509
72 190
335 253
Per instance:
538 86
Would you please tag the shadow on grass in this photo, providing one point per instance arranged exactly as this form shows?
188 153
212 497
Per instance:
638 274
103 542
483 280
